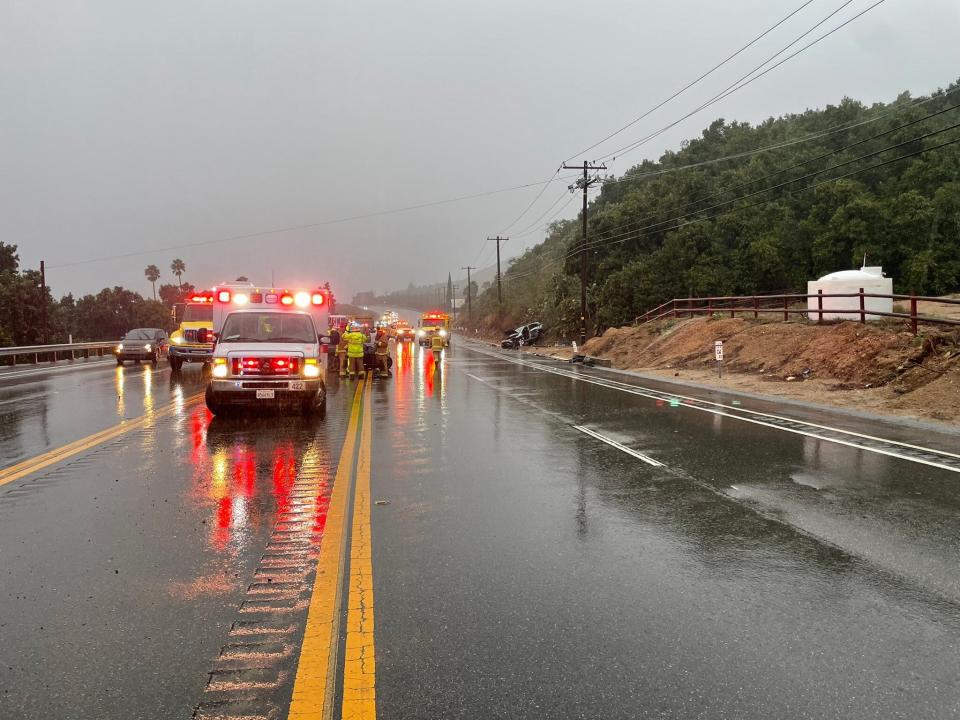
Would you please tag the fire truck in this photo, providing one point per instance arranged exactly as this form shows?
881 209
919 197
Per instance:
267 348
192 316
434 323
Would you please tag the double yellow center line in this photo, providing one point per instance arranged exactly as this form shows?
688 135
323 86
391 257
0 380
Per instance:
314 688
64 452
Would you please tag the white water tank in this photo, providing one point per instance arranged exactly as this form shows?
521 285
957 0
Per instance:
871 279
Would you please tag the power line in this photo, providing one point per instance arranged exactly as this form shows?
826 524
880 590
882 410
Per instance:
601 240
532 202
308 226
616 239
744 81
788 143
686 87
802 163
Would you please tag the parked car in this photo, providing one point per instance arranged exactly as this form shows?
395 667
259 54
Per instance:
151 344
528 334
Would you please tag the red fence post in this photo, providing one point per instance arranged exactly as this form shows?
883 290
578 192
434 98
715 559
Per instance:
819 306
913 313
863 315
786 312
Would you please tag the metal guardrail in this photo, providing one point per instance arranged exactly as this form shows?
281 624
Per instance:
52 353
786 304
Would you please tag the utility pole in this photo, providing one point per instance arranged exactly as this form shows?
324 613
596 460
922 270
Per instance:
498 240
43 302
584 183
468 268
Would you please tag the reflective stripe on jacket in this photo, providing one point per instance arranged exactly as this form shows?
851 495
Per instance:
354 341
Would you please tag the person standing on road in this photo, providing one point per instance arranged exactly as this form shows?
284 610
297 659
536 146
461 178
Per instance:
342 352
436 344
382 350
354 340
333 348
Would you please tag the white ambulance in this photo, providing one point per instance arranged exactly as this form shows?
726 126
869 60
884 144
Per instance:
267 348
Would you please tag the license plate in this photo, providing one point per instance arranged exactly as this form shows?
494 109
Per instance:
264 394
298 385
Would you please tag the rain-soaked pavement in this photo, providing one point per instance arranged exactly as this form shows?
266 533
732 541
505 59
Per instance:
546 543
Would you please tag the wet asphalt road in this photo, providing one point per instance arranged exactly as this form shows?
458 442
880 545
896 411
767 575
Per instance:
523 566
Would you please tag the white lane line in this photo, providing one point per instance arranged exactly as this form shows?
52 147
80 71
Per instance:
44 371
25 398
470 375
699 405
613 443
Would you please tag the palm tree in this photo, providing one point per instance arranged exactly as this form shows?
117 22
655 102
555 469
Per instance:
153 274
178 268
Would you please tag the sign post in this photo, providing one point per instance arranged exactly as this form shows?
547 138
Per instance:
718 353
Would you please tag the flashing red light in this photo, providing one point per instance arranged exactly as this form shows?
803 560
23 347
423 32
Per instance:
317 299
200 299
286 299
224 296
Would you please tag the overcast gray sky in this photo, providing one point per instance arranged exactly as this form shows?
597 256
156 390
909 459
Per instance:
133 126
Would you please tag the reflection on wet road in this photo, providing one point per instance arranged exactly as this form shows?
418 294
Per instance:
540 543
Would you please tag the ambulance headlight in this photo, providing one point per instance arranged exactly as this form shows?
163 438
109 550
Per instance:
421 333
120 347
443 333
176 339
147 347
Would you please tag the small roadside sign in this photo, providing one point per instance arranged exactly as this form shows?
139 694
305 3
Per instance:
718 350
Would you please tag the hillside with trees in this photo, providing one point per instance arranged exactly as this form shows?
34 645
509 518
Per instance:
748 209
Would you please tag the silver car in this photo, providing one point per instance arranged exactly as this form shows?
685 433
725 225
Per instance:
151 344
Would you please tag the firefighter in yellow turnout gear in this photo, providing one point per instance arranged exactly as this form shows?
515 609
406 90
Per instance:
382 351
436 345
354 341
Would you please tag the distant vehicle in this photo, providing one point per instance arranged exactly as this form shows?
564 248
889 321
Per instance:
143 344
267 349
403 332
528 334
434 323
192 316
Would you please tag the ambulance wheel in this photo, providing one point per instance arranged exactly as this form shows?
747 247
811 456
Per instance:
213 404
316 407
176 364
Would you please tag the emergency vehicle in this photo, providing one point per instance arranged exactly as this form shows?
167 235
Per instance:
434 323
267 348
192 316
403 332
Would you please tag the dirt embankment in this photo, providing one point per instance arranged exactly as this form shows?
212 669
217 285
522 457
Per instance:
876 367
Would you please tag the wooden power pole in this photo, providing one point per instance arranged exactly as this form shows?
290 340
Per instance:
498 240
585 182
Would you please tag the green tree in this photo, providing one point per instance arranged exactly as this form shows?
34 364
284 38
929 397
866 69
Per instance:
178 268
152 273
